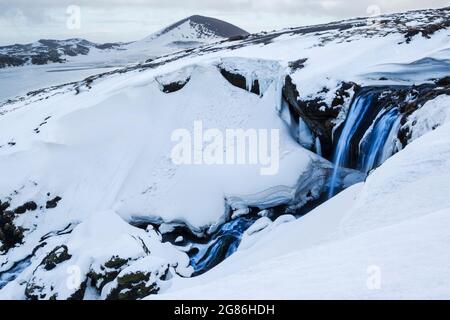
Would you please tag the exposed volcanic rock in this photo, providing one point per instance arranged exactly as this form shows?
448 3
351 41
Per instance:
55 257
36 287
137 285
420 95
10 234
428 30
29 206
319 117
11 61
47 51
51 204
240 81
174 86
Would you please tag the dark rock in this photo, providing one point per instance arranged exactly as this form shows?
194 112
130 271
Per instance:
427 31
136 285
240 81
174 86
66 230
115 262
443 82
55 257
316 113
33 291
108 45
3 206
28 206
79 294
10 234
109 271
51 204
298 64
237 38
11 61
207 26
342 94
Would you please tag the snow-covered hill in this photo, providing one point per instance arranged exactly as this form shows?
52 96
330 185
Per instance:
52 62
90 191
190 32
49 51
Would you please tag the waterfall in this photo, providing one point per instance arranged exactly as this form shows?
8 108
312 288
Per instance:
373 144
377 144
391 145
355 116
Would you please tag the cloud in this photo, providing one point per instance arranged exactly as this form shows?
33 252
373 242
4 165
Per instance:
318 7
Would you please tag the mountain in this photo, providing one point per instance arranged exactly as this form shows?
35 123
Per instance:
53 62
50 51
123 179
197 27
187 33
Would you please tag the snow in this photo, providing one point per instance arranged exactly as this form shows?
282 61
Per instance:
106 151
184 36
395 224
16 81
266 72
108 139
431 115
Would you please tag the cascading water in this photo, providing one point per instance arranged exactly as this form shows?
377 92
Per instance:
354 118
13 273
224 243
377 144
371 148
392 144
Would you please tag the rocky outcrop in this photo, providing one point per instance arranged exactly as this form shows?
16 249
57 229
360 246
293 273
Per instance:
51 204
174 86
10 234
107 272
428 30
11 61
315 112
240 81
129 279
29 206
55 257
417 97
136 285
37 287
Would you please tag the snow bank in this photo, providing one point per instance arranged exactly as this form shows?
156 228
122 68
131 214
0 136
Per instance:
386 238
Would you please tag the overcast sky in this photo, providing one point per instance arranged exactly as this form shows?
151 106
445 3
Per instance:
24 21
